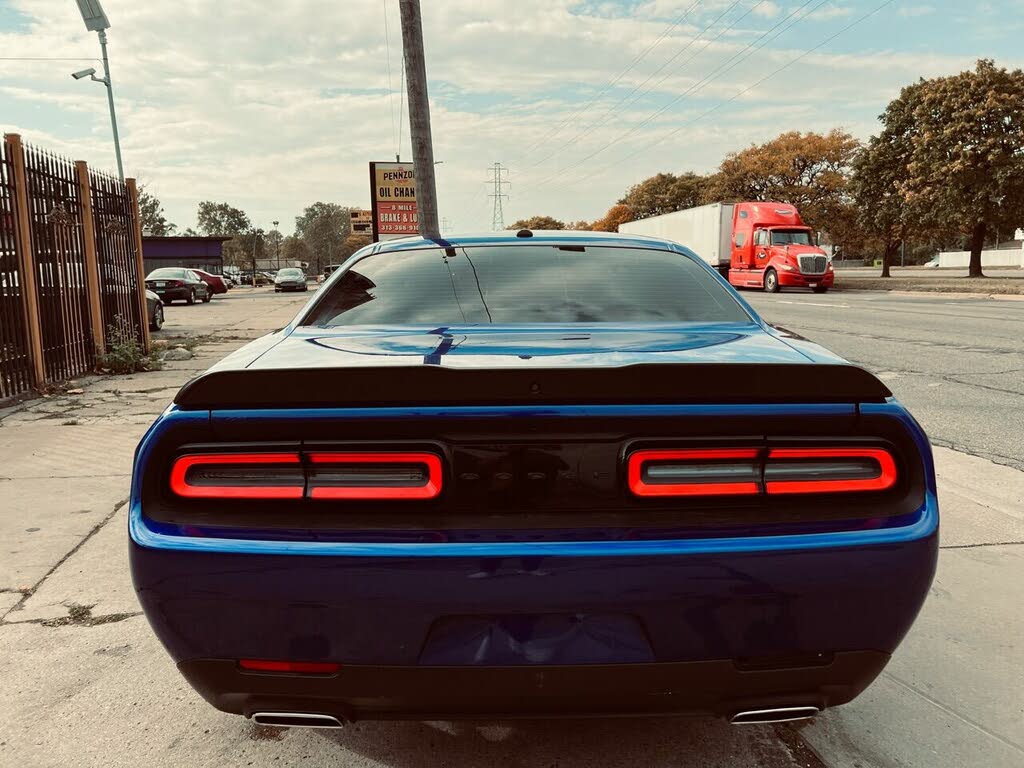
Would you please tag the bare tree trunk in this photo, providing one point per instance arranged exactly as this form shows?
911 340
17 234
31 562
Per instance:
977 246
887 257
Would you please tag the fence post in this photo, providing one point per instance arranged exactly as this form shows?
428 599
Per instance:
26 261
92 266
133 195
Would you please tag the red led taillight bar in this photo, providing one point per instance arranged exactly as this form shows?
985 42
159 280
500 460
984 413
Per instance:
755 471
698 472
351 475
238 476
345 475
829 470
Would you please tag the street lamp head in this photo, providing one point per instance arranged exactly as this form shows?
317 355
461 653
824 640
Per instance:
93 16
84 73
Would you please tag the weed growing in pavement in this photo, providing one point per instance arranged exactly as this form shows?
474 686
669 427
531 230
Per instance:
124 352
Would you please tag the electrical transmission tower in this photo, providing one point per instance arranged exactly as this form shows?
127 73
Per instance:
499 181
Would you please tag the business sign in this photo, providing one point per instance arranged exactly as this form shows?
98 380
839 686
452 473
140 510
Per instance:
362 221
393 192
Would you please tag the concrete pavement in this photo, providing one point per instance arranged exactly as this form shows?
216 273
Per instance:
86 683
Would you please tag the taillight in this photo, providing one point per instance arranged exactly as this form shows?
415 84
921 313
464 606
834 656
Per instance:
351 475
238 476
318 475
700 472
829 470
755 471
293 667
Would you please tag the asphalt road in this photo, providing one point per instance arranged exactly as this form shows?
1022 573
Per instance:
958 364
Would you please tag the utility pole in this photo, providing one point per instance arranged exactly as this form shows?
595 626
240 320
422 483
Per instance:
498 181
419 118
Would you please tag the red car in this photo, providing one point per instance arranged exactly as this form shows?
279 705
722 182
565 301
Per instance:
216 282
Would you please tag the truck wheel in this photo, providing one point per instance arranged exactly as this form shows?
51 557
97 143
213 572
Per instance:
820 289
771 282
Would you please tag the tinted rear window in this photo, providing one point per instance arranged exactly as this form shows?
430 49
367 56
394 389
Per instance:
525 284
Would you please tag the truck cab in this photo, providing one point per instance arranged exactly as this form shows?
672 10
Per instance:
772 248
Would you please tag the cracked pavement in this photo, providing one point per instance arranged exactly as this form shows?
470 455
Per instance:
86 683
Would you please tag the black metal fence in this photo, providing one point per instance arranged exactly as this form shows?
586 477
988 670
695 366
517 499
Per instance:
113 222
55 225
71 278
15 365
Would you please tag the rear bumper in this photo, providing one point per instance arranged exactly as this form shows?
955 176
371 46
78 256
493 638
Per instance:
713 688
716 632
172 294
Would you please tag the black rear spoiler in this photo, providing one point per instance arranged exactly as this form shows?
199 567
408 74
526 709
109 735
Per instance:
436 386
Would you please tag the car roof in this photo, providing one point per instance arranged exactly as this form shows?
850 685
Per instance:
539 237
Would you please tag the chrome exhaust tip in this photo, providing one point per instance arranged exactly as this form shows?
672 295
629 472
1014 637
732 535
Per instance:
774 715
296 720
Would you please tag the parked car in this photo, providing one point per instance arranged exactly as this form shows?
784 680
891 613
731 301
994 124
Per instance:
154 311
177 284
216 282
290 279
328 271
534 475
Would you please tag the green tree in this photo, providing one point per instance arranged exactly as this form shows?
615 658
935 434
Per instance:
880 205
221 220
293 249
324 227
665 193
966 163
224 220
538 222
581 225
808 170
151 216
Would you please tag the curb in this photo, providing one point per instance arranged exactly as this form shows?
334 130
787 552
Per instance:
945 294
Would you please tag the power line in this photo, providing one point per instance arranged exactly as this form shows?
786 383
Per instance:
749 50
738 94
615 107
608 86
498 181
44 58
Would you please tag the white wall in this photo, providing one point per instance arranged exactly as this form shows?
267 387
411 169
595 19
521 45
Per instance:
991 258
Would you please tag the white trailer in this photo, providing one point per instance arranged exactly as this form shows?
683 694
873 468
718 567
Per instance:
707 231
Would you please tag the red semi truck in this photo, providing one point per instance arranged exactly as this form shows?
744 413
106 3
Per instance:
753 245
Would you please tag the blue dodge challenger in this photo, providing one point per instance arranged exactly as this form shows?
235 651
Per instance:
531 475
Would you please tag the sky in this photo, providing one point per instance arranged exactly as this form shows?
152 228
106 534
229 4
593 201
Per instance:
271 107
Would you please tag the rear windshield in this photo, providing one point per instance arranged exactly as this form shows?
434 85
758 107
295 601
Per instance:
525 284
159 273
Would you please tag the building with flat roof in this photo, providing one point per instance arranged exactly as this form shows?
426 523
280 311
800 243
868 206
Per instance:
194 252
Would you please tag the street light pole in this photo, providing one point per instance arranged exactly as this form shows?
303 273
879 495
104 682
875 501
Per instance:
96 21
110 102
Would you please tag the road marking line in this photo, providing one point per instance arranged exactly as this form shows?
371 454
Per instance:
811 304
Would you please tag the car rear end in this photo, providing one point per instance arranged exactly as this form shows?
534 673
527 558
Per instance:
476 530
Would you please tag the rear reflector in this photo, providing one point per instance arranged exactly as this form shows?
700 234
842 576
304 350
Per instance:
396 476
294 667
829 470
700 472
238 476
